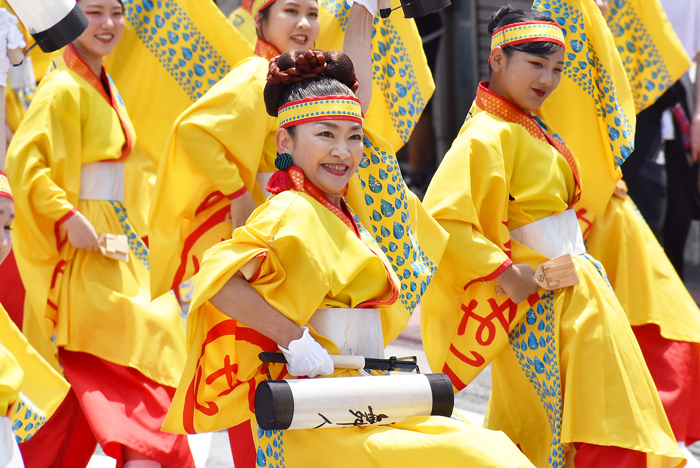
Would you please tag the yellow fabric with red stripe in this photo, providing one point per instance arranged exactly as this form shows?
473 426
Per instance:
530 31
320 108
5 190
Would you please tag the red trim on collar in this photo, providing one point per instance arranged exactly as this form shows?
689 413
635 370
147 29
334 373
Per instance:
102 85
506 110
301 184
265 49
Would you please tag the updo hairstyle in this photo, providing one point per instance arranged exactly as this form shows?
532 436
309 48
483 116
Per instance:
508 15
299 74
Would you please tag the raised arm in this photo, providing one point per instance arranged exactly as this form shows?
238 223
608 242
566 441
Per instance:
358 46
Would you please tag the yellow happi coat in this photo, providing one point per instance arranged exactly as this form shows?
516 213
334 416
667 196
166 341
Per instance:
650 60
566 367
312 256
216 150
81 300
220 147
30 389
229 126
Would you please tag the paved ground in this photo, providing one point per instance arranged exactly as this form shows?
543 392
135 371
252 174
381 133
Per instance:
212 450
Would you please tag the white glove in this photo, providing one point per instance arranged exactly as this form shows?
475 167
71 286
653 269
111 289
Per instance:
370 5
10 38
306 357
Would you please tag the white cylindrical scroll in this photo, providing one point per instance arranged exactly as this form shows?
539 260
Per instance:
351 401
52 23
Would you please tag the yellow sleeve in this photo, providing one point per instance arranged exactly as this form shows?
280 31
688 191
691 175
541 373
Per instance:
468 197
10 379
47 144
224 133
290 277
45 387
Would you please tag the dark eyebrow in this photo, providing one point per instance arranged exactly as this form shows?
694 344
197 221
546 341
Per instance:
328 123
331 124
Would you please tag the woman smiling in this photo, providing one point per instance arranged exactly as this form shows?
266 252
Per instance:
121 353
221 150
570 386
318 271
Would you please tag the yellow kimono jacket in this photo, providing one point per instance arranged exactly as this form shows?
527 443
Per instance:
216 150
651 58
565 365
82 300
30 389
312 256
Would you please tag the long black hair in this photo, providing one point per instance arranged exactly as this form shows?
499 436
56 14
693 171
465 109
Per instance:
508 15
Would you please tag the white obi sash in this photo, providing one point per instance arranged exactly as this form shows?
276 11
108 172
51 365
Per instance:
356 332
552 236
102 181
263 178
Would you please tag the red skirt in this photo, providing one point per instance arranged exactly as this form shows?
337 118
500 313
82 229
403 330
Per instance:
111 405
675 368
12 290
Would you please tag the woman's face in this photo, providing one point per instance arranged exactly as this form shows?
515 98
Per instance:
329 152
105 28
7 215
524 79
290 24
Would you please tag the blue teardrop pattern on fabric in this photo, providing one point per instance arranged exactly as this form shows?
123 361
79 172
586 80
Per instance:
27 419
535 345
646 69
172 37
392 70
270 452
600 269
136 245
586 70
391 231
